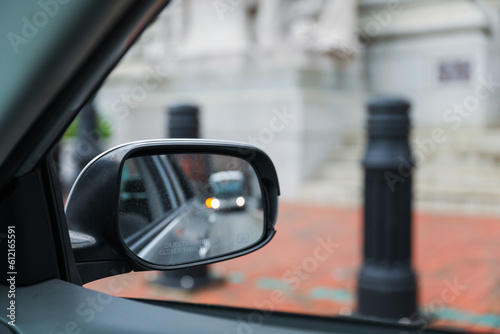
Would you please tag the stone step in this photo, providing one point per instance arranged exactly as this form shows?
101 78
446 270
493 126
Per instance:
473 142
349 198
484 177
465 175
347 153
427 197
462 174
341 194
480 154
449 155
429 190
464 136
341 170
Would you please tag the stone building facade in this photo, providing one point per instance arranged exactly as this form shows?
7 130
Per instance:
294 76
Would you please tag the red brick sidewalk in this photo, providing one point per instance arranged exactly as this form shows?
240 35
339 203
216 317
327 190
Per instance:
456 257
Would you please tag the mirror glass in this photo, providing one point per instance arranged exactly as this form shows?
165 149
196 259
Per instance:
183 208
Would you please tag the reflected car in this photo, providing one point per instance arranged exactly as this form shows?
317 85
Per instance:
228 188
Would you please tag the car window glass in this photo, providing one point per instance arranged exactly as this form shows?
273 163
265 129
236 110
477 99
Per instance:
294 78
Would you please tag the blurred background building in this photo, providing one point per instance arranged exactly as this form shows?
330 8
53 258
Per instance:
293 77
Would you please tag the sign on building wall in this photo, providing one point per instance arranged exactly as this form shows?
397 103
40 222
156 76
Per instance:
455 71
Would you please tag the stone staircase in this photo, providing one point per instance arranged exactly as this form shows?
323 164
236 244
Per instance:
460 175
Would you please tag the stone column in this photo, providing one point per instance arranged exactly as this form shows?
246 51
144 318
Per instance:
215 29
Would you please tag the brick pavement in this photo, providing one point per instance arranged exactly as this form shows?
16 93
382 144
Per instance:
456 257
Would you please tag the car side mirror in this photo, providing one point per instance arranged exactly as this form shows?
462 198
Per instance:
171 204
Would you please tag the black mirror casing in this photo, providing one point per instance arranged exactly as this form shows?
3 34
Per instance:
92 207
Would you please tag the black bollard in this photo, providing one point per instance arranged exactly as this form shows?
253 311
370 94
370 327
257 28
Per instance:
183 122
387 283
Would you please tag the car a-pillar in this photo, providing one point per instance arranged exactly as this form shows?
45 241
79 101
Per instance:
387 283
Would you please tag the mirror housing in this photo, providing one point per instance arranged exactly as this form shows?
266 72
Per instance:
93 213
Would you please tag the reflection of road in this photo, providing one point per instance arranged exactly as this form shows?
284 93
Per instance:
200 233
239 229
181 239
